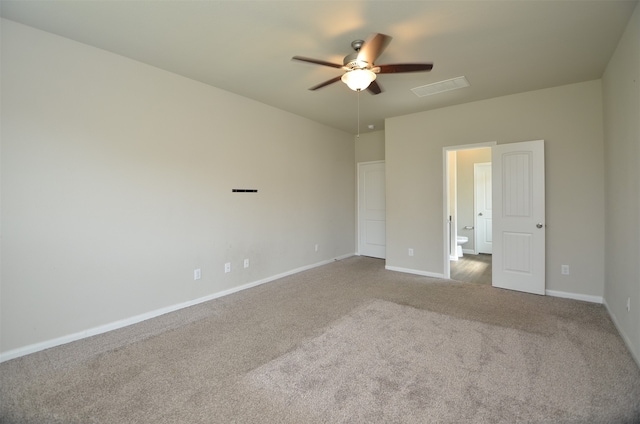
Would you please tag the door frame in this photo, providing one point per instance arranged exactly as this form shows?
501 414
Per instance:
445 193
359 253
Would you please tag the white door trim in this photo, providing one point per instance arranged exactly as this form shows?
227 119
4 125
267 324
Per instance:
452 211
445 194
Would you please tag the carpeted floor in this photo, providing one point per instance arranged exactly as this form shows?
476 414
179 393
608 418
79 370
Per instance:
346 342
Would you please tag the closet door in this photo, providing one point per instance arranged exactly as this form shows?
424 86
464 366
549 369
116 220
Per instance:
371 210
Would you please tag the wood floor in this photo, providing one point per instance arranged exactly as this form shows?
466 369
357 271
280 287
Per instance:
472 269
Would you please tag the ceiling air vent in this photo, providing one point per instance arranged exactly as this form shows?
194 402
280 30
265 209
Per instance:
440 87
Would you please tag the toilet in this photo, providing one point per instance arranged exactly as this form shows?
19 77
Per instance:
460 241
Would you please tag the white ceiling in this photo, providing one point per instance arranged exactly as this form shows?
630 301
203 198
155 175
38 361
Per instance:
501 47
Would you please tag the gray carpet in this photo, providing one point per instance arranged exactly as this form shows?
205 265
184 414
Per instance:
385 362
347 342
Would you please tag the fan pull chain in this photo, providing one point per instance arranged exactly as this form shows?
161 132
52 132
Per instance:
358 136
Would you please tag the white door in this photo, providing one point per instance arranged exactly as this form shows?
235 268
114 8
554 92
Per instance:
483 209
371 210
519 217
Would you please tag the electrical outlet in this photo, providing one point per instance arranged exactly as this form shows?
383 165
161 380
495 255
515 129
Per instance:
197 274
410 252
564 269
227 267
628 304
246 263
317 247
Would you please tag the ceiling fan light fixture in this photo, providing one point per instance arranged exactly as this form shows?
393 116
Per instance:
359 79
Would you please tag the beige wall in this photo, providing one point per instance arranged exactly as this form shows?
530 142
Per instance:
116 185
568 118
621 91
369 147
466 159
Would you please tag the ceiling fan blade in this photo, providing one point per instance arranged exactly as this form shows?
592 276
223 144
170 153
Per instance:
316 61
374 88
324 84
373 47
405 67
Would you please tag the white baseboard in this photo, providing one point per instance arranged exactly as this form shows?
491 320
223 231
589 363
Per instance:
36 347
554 293
635 355
575 296
414 271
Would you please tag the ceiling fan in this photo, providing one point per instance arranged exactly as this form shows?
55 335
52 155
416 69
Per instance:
361 71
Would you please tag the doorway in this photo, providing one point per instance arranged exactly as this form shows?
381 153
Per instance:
518 195
463 260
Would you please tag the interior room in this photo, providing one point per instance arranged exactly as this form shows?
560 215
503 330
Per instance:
164 164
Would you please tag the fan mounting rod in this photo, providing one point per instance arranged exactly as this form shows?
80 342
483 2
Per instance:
351 61
357 44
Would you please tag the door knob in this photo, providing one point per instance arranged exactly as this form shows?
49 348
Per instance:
539 225
480 214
